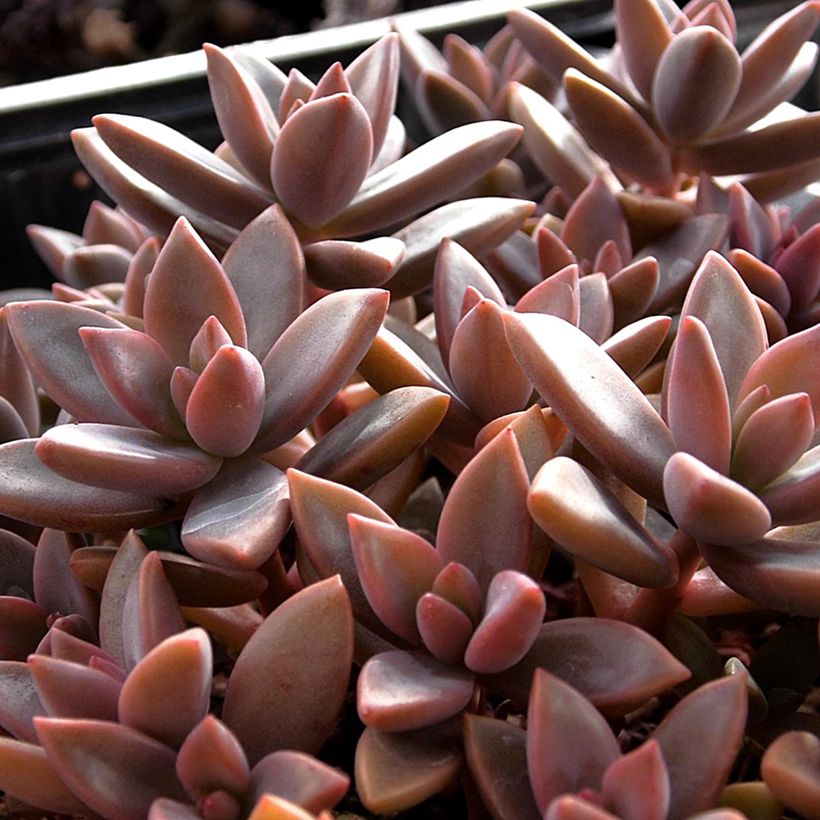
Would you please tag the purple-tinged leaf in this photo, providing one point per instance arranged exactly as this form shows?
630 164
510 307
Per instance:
752 227
569 744
16 383
314 358
444 628
484 524
791 769
445 103
762 280
596 311
595 398
553 256
309 677
635 345
183 260
204 346
698 762
116 770
104 225
800 269
17 566
96 265
30 492
637 784
338 264
398 771
643 33
46 333
496 753
395 567
400 691
792 498
457 584
321 157
183 381
125 459
168 692
70 690
19 701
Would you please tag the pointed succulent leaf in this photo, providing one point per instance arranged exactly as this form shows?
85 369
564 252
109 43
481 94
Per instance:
574 807
321 157
398 771
400 691
445 103
19 701
267 270
16 383
311 678
699 762
643 33
71 690
204 346
558 295
395 567
46 333
457 584
594 397
569 744
338 264
333 81
799 268
183 168
752 226
185 259
142 264
637 784
444 628
104 225
114 769
792 497
634 346
168 692
335 332
578 512
790 769
762 280
596 312
125 459
53 246
430 174
468 65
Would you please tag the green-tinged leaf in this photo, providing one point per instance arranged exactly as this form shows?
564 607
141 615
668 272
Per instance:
595 398
643 33
337 264
115 770
637 784
791 769
321 156
71 690
305 681
314 358
399 771
711 507
125 459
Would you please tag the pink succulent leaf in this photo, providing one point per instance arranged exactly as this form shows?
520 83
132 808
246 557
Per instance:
637 784
71 690
31 492
393 147
16 383
204 346
755 151
395 568
686 110
552 253
444 628
96 265
185 259
397 771
643 33
711 507
608 260
717 291
320 514
53 245
792 496
46 334
457 584
635 345
617 666
12 427
168 692
142 264
633 289
374 79
211 758
27 774
574 807
338 264
183 168
114 769
314 358
183 381
225 408
17 567
618 132
400 691
762 280
559 295
333 81
752 226
512 619
695 396
587 389
150 204
125 459
76 646
417 53
136 372
799 267
237 520
245 116
468 65
569 743
163 808
484 524
22 626
698 762
271 293
555 145
790 769
496 754
597 314
297 89
299 778
19 701
775 572
789 420
706 594
104 225
445 103
267 76
482 367
311 678
430 174
373 440
477 224
321 157
578 512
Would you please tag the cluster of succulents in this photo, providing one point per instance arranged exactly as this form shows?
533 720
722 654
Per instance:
478 475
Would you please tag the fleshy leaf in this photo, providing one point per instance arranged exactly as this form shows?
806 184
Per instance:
445 103
643 33
637 784
16 383
17 567
71 690
444 628
19 701
338 264
791 769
